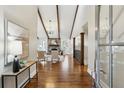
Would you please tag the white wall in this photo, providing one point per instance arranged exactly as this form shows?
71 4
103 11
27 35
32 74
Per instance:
89 17
91 38
78 42
25 16
85 29
42 45
81 20
1 42
67 46
41 34
86 49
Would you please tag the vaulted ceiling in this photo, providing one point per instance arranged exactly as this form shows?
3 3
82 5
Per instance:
61 21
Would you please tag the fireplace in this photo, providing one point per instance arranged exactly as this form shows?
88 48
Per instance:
53 47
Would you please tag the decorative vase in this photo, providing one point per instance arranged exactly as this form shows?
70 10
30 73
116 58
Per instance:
16 65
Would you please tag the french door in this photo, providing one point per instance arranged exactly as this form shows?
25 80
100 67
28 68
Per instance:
110 46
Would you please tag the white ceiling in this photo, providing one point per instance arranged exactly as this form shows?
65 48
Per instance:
48 12
26 16
81 20
67 14
66 17
23 15
41 34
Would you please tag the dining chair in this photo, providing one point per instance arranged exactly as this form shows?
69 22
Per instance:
55 55
41 56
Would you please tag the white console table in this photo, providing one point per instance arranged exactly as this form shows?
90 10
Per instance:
21 78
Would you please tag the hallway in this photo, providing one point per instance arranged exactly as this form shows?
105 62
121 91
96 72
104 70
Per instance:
66 74
94 34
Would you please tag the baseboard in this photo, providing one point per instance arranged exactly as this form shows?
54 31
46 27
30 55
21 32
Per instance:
92 73
89 71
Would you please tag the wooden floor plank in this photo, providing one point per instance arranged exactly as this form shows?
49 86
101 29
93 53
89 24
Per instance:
67 74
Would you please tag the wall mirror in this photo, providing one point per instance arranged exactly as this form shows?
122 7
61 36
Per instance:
16 41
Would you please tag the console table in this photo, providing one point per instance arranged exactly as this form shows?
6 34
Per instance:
21 78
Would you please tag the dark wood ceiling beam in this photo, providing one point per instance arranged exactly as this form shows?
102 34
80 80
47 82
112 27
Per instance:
74 21
58 20
42 23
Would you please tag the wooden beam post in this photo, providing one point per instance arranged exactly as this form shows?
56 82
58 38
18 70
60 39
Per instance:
74 47
58 21
82 48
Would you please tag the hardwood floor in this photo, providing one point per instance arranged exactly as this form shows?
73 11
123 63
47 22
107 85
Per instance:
66 74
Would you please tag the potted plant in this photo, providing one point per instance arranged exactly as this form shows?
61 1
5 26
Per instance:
22 64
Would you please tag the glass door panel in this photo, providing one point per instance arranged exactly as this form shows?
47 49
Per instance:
104 66
104 25
113 76
118 23
118 66
118 51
